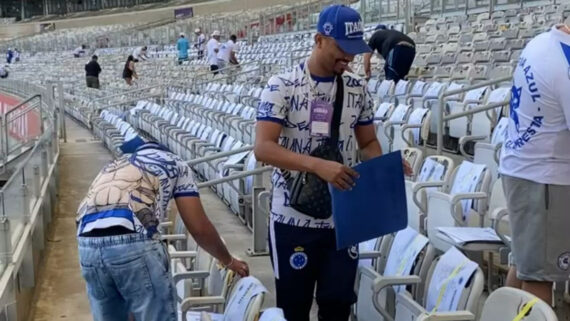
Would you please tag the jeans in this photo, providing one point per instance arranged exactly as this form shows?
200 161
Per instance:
127 274
398 62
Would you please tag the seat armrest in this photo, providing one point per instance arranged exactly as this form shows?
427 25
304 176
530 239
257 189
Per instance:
466 139
456 198
447 316
419 186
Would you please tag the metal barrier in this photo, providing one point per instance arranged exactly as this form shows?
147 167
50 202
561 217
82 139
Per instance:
27 201
442 118
260 215
14 121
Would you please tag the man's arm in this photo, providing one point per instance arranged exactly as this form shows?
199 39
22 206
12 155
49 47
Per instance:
202 230
233 58
367 65
367 141
268 150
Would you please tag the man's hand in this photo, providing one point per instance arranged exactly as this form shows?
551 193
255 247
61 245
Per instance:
368 73
239 267
340 176
407 168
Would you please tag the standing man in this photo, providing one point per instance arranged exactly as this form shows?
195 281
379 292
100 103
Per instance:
535 164
92 71
397 49
227 52
303 245
9 55
213 49
123 261
200 42
140 54
182 45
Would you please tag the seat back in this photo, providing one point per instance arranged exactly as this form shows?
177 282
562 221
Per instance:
467 178
508 303
245 300
434 168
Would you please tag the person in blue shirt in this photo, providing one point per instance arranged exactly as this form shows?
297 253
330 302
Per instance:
9 55
182 45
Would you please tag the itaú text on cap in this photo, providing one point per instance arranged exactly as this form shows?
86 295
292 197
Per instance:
351 27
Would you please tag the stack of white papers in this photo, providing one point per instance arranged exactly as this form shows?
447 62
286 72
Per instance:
464 235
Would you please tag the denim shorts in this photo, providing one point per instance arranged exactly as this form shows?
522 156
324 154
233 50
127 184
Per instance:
127 274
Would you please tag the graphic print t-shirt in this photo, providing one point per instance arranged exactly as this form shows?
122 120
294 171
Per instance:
537 142
285 100
134 191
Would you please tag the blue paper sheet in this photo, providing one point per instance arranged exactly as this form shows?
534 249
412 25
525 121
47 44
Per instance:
376 206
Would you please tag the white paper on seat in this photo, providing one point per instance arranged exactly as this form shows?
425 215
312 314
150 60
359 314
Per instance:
405 249
272 314
500 131
416 118
475 94
434 89
382 110
431 171
399 113
246 289
367 246
196 316
448 281
464 235
466 181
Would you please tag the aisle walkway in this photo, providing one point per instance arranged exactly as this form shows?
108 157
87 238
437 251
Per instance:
61 291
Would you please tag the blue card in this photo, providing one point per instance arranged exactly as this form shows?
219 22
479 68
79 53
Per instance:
376 206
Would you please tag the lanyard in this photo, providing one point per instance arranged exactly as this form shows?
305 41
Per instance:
313 91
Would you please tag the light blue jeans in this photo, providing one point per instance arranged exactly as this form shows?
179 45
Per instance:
127 273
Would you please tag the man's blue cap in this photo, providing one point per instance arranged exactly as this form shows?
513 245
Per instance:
380 27
344 25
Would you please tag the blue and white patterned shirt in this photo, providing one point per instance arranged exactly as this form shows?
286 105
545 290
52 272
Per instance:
134 191
285 100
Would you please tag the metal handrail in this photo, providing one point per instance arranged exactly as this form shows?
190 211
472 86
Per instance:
239 175
196 161
123 94
470 112
4 123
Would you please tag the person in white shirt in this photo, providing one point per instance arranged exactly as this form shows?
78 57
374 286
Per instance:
200 43
213 49
302 244
227 52
79 51
140 54
16 55
535 164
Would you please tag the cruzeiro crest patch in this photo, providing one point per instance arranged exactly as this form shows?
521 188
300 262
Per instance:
564 261
353 252
299 259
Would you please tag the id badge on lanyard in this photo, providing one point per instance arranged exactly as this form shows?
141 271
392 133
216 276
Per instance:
321 118
321 110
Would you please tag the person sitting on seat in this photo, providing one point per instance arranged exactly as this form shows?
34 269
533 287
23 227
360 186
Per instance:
79 51
4 72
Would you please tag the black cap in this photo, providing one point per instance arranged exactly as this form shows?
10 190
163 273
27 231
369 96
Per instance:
94 57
